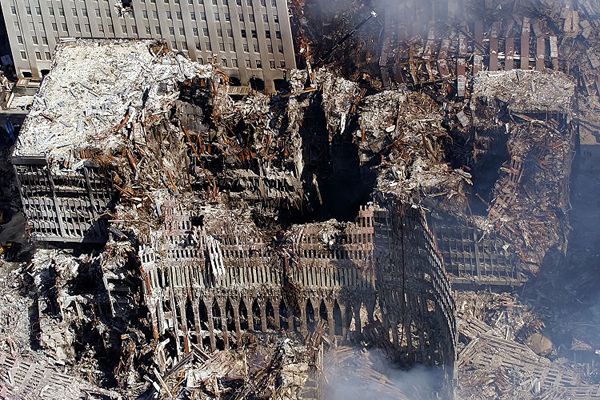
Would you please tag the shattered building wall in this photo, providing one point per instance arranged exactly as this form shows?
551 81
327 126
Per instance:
65 187
212 284
228 202
520 214
251 40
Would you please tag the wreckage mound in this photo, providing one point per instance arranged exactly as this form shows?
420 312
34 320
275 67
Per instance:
326 215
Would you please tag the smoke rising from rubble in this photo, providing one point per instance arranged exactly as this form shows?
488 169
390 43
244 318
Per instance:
368 374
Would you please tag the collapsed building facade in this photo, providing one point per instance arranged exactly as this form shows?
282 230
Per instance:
492 69
205 223
215 210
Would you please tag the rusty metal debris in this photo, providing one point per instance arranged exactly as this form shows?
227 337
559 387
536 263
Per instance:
201 240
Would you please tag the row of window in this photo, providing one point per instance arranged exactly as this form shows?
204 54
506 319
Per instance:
247 46
61 10
233 63
169 14
38 55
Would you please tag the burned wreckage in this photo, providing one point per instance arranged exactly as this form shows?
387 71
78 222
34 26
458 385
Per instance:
200 241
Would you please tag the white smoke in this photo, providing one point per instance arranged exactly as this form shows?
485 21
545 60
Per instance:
367 374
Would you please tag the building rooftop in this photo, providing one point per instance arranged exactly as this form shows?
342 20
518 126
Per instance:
83 104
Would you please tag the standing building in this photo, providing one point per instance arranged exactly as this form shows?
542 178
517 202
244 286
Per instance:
251 39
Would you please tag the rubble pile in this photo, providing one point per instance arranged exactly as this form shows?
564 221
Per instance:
495 363
102 97
526 91
262 369
199 241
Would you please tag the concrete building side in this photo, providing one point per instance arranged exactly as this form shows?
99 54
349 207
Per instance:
251 39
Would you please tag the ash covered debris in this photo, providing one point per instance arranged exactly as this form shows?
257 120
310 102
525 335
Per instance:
221 209
217 243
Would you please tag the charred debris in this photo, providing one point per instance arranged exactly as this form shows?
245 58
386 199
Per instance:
194 240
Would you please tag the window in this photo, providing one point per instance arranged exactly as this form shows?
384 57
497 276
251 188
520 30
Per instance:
65 27
48 56
171 30
38 55
225 62
234 63
98 14
203 16
179 15
74 11
258 64
28 9
54 27
38 10
193 16
24 55
84 12
20 39
145 14
222 46
227 17
44 40
247 63
51 11
272 64
155 14
107 12
169 15
216 16
78 27
181 31
205 31
278 35
13 10
195 30
148 30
